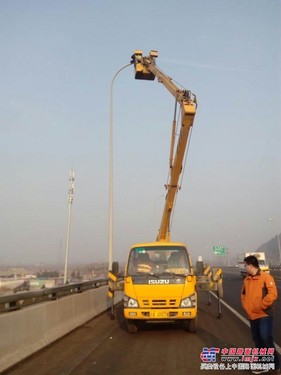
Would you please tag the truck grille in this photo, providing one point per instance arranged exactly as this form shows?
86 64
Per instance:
159 303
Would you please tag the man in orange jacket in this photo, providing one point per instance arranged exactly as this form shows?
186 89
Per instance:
257 296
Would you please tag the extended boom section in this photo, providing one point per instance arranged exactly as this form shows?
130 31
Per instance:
188 113
146 68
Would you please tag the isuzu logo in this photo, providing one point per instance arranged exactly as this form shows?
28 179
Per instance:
159 281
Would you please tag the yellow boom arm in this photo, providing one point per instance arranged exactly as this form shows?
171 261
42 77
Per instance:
145 68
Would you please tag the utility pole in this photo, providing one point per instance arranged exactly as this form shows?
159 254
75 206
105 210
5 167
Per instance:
70 201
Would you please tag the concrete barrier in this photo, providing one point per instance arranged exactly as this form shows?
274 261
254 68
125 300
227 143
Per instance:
26 331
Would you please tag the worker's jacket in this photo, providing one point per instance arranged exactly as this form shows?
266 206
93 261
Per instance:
258 294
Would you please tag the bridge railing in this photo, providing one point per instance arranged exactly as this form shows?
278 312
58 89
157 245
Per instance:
30 321
19 300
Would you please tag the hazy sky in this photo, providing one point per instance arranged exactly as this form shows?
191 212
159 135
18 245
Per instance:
58 58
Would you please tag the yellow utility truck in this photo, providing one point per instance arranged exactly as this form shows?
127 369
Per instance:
159 279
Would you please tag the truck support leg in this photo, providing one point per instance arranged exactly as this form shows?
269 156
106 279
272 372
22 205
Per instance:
219 307
112 315
209 298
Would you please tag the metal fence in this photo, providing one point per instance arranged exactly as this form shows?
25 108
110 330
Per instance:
12 302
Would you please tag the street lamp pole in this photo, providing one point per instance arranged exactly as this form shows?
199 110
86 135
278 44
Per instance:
70 201
110 220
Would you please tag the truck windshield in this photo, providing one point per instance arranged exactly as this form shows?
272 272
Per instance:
158 260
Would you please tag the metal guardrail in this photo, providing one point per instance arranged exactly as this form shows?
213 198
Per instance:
12 302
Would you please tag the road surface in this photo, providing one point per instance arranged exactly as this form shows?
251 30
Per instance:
103 346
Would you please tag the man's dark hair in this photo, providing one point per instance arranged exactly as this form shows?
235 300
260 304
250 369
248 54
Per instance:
251 259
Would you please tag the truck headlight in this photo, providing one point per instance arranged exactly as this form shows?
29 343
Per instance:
130 302
188 301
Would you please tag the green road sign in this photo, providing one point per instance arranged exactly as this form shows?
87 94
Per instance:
219 250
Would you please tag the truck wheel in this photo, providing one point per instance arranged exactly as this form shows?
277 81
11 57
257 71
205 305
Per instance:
132 326
192 325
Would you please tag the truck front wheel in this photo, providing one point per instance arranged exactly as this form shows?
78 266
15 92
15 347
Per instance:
190 325
132 326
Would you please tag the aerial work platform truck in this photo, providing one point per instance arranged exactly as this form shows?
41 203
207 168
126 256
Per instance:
159 281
